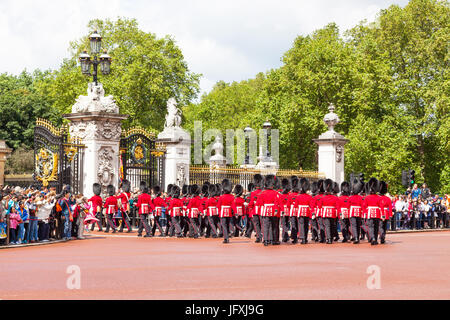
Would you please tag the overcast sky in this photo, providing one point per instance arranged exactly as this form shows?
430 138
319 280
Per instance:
227 40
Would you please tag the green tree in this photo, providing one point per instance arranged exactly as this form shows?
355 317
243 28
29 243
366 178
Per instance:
146 71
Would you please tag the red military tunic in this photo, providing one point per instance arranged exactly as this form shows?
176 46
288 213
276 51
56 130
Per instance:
345 207
124 199
195 207
211 207
284 204
318 211
238 206
225 205
145 204
253 208
185 201
97 203
159 203
111 205
292 210
304 204
386 207
355 206
268 201
175 207
371 206
329 206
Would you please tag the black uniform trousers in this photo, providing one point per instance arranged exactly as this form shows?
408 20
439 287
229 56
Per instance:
373 225
194 226
211 229
355 224
175 226
125 221
285 222
237 222
345 228
110 223
249 227
322 232
383 229
157 224
334 230
257 226
143 224
328 227
315 229
293 221
303 226
225 221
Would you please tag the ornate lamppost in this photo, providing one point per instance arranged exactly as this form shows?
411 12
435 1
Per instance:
104 60
247 132
267 126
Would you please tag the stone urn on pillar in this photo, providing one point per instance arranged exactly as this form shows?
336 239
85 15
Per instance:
331 148
96 121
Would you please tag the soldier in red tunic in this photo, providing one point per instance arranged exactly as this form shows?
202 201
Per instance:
248 212
184 219
268 202
175 210
145 207
355 202
335 221
124 197
372 207
258 184
159 204
111 208
319 213
212 214
167 199
202 216
329 204
96 203
345 208
195 208
304 202
225 207
386 210
285 209
238 210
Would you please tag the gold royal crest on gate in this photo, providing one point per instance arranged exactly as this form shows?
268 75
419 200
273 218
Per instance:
138 152
46 166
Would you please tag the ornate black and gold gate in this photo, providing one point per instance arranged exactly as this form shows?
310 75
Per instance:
58 159
141 158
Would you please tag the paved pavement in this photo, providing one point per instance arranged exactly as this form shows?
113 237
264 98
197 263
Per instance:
123 266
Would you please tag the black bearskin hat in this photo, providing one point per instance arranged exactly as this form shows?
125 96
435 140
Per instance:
321 185
207 182
277 183
205 188
175 191
304 185
110 190
97 188
383 187
269 181
258 180
195 190
357 186
285 185
250 187
345 188
126 185
212 189
218 189
335 187
238 190
295 184
372 186
226 186
142 186
185 190
169 189
157 190
328 185
314 188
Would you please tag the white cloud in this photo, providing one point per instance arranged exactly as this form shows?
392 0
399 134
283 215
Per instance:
223 40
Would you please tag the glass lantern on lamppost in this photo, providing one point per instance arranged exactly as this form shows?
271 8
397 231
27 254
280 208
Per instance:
267 126
247 132
95 41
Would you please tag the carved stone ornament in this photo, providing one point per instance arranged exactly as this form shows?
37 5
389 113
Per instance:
109 130
181 174
105 171
339 150
95 101
173 117
83 130
331 119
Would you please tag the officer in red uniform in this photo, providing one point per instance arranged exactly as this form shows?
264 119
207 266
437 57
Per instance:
372 207
184 219
285 208
96 204
212 214
195 208
175 210
225 208
258 184
268 202
355 202
335 221
238 210
319 213
303 202
249 211
111 208
202 217
386 210
345 210
145 207
124 197
329 206
159 204
314 224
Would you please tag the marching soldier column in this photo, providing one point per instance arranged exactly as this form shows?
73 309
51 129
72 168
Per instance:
221 210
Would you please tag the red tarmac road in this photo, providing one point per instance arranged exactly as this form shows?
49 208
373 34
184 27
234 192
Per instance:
412 266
